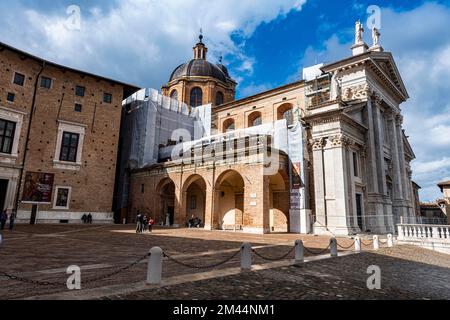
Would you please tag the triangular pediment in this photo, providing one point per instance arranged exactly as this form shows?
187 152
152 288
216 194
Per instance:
385 62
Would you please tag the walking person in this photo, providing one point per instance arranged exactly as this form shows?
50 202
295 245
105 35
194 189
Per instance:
151 222
89 218
138 222
12 218
3 219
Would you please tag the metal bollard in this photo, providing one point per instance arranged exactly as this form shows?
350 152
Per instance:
154 269
246 256
333 247
376 242
299 253
358 244
390 240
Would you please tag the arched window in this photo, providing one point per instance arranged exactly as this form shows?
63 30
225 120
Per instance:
174 95
196 97
219 98
228 125
286 112
254 119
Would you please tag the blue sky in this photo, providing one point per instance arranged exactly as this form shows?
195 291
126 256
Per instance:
265 43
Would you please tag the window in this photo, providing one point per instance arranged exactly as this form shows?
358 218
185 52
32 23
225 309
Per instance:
10 97
7 132
143 188
19 79
69 147
79 91
78 107
355 164
219 98
193 203
255 119
257 122
228 125
285 112
174 95
289 117
62 198
196 97
107 98
46 82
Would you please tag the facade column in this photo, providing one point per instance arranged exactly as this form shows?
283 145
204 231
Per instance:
319 186
379 221
209 207
403 174
339 212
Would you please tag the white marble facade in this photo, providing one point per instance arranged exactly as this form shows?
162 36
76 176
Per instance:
361 126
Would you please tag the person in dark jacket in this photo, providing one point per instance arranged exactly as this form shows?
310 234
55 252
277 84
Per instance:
12 218
3 219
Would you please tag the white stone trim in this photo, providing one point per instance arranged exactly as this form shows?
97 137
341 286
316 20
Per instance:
54 217
66 126
55 198
16 117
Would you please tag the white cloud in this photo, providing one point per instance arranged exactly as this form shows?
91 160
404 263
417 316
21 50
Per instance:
420 42
140 41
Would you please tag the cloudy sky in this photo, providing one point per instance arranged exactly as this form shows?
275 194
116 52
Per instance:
265 43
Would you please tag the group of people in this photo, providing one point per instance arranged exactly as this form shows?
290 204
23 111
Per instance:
4 219
87 219
144 223
194 222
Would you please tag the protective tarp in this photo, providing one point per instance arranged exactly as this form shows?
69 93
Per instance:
151 122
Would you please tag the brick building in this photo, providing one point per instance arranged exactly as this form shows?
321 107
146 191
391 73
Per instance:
59 134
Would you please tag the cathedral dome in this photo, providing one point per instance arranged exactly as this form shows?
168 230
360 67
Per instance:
200 68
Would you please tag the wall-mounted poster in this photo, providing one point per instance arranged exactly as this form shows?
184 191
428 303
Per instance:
38 188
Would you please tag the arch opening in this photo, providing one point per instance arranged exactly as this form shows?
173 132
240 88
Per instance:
166 210
195 199
279 199
229 203
286 111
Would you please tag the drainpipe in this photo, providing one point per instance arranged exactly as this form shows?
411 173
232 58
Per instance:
27 139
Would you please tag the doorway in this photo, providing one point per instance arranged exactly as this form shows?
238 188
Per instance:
3 190
171 213
359 212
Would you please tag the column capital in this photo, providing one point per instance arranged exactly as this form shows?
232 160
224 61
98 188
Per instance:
340 140
399 120
317 143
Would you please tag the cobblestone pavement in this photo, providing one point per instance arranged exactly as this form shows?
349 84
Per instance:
44 252
407 273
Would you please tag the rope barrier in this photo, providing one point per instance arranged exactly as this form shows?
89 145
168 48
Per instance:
274 259
318 252
190 266
346 248
31 281
365 244
109 275
55 284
